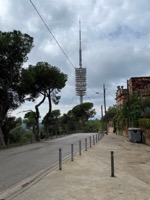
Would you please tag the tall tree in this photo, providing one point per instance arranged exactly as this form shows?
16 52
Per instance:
30 121
55 115
68 122
53 122
14 47
83 112
46 81
139 108
8 124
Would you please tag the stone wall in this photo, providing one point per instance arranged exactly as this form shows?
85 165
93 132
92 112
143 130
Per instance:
146 136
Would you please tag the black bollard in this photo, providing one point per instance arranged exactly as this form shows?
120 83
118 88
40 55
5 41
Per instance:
71 152
90 142
85 144
60 159
80 148
112 164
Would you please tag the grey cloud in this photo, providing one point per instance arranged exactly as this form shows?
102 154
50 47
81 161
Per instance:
115 41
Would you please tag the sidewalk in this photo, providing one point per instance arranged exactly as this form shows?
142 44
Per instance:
88 177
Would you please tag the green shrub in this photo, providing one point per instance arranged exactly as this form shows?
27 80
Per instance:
28 136
16 135
144 122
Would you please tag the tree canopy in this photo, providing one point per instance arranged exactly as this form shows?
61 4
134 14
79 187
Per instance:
30 121
83 112
14 47
46 81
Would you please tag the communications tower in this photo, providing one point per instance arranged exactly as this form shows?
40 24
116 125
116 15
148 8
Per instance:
80 73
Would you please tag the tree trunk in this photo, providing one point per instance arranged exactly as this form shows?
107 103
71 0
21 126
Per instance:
48 115
3 113
37 132
2 143
4 107
37 129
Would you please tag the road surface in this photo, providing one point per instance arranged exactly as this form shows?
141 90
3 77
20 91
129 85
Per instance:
18 163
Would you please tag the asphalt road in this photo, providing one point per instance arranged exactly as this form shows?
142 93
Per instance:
21 162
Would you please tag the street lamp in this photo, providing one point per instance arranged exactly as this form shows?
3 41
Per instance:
101 106
104 94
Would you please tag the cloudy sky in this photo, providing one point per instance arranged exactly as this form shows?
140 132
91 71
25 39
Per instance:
115 43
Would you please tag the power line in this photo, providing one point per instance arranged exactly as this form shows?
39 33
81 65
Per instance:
52 34
110 93
56 40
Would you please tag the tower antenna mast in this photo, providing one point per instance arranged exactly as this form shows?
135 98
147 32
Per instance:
80 73
80 48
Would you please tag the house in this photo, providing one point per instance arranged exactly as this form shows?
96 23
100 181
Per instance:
121 96
135 85
139 85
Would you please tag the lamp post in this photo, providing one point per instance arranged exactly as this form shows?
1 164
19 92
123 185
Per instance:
101 106
104 96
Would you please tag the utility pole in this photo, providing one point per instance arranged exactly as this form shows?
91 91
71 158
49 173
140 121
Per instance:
104 91
104 99
102 111
128 104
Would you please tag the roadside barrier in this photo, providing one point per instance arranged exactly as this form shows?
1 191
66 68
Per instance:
96 138
112 164
80 148
72 154
93 139
85 144
60 159
90 141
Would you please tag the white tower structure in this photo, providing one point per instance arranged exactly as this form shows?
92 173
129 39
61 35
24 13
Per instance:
80 73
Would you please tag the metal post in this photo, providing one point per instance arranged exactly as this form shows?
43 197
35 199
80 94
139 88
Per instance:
90 142
85 144
93 140
60 159
80 148
112 164
71 152
96 138
99 136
